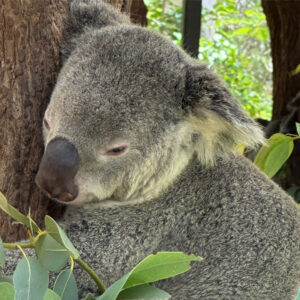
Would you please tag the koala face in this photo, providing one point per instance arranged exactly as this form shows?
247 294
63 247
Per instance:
119 106
128 112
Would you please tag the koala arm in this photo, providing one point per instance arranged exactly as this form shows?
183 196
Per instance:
113 240
248 233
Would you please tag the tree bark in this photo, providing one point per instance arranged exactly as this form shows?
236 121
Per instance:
30 39
283 21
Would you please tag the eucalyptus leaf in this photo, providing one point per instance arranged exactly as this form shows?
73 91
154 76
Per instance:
274 154
298 128
112 292
296 71
278 155
8 279
145 292
51 254
59 235
14 213
30 279
262 154
153 268
298 294
2 256
7 291
65 286
51 295
160 266
90 296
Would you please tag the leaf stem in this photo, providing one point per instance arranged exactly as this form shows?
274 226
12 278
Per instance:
17 245
94 276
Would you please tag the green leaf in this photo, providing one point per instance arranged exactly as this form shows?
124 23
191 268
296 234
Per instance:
7 291
242 30
296 71
59 235
114 290
153 268
160 266
2 256
90 296
272 156
145 292
8 279
14 213
65 286
278 155
298 295
51 295
52 255
298 128
30 279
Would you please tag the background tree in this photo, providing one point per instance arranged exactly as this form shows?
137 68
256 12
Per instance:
30 39
283 21
234 42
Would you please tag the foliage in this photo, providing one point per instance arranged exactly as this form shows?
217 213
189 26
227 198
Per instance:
165 17
54 250
276 152
235 42
239 51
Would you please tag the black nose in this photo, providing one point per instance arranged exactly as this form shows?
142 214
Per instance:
57 170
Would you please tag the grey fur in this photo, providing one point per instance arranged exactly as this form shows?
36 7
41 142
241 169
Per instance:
180 187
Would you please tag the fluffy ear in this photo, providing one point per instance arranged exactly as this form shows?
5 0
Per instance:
94 13
216 119
89 15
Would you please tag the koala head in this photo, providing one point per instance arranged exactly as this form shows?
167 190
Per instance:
127 114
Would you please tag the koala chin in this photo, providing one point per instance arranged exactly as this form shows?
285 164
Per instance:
141 138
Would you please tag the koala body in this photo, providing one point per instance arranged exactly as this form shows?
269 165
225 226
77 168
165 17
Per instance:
140 142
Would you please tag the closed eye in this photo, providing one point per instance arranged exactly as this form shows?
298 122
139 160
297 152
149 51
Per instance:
117 150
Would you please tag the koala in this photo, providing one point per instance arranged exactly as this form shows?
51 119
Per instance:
140 143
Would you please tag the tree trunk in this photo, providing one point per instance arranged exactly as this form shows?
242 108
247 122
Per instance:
30 39
283 21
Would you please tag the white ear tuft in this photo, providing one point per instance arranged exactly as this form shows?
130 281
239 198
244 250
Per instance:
216 118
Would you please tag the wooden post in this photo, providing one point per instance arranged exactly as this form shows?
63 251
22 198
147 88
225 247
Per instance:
191 26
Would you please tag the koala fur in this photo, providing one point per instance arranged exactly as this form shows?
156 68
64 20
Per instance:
156 132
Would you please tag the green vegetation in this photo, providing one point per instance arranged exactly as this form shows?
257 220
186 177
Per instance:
272 158
276 152
54 251
235 42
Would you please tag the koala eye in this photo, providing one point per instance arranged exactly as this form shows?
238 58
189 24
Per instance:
46 124
117 150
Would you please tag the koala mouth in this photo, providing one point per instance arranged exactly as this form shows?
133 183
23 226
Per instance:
64 197
81 199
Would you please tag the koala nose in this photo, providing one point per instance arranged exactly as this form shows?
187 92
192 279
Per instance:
57 170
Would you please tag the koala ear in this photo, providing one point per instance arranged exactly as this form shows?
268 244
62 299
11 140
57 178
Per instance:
217 120
89 14
96 14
